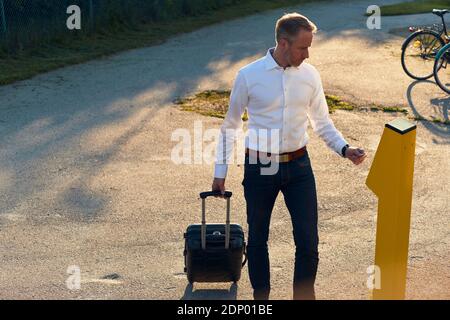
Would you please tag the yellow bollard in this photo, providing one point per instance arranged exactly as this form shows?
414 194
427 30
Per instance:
391 179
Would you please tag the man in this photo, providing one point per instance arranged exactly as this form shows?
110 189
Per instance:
280 92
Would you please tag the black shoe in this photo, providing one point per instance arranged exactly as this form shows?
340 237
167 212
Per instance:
304 291
261 294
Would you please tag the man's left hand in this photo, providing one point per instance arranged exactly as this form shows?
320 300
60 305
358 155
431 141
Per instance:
355 155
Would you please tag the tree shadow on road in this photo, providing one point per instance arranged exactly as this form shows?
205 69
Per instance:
210 294
49 124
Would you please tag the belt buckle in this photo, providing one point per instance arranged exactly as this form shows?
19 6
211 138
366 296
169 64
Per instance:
283 157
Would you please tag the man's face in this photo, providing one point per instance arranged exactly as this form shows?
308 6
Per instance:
297 50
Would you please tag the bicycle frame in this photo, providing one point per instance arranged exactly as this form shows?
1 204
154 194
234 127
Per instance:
445 28
442 31
441 52
442 34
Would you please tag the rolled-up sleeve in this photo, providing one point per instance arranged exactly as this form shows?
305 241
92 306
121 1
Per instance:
320 119
232 123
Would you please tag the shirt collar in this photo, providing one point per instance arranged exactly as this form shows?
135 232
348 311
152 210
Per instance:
270 61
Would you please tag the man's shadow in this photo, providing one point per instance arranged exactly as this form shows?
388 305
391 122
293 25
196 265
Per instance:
210 294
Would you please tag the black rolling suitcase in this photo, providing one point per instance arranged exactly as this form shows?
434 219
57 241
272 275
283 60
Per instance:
214 252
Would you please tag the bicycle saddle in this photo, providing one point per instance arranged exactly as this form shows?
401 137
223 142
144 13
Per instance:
440 13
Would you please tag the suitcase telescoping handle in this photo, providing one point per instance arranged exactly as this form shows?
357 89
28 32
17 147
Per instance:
205 195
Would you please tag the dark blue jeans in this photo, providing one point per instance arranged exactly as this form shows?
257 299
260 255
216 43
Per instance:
295 179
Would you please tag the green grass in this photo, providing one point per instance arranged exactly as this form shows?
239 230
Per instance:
413 7
376 108
63 52
214 103
335 103
394 109
434 120
441 121
211 103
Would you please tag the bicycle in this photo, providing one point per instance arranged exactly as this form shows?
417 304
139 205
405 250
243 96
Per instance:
419 50
440 71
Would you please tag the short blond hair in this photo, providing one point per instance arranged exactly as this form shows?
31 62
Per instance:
289 25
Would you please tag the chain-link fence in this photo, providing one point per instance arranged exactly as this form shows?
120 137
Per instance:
27 23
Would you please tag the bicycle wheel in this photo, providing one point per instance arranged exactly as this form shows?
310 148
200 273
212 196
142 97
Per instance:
418 53
441 68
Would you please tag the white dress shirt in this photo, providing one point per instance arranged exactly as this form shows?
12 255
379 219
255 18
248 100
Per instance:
276 98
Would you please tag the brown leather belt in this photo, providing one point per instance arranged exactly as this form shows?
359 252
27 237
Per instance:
282 157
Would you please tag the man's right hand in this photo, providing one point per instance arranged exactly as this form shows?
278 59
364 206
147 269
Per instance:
219 185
